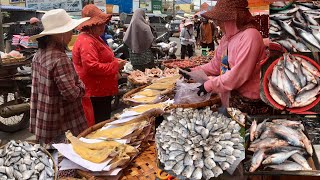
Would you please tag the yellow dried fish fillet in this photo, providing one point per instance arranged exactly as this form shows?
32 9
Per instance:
160 86
145 99
170 79
116 132
147 107
96 156
148 93
98 146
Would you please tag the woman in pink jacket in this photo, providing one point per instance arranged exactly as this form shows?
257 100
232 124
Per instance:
235 68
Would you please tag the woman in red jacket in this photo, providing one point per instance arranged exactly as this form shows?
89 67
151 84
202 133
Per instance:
95 63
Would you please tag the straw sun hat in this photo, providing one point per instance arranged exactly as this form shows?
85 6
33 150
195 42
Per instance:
96 16
57 21
226 10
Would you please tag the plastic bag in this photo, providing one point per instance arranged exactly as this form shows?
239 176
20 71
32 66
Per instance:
186 93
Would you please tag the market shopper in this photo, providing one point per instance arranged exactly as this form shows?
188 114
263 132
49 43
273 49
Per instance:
187 39
34 27
96 65
139 39
197 24
56 89
207 35
235 68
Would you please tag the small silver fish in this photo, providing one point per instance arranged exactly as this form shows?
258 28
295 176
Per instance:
301 160
256 160
278 158
287 166
253 130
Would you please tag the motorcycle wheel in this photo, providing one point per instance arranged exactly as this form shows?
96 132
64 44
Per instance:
13 123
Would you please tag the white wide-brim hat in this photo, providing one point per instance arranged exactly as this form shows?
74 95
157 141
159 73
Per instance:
57 21
188 22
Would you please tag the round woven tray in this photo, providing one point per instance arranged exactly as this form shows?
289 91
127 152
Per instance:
215 99
143 167
88 175
49 155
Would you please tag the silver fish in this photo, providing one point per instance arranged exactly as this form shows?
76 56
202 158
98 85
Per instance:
310 19
304 103
287 133
280 17
307 95
187 172
287 166
303 8
260 128
294 79
256 160
307 87
253 130
287 86
267 143
299 72
310 77
288 28
274 24
286 44
301 160
274 76
278 158
308 37
289 11
309 67
268 133
277 95
298 46
306 142
300 18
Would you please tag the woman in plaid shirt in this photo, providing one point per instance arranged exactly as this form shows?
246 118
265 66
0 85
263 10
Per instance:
56 89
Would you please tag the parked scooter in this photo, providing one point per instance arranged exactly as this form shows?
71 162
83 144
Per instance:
15 91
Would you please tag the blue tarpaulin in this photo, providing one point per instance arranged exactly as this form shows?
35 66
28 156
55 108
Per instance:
125 6
15 8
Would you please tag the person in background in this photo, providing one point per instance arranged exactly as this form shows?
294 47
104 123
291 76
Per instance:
235 67
187 39
182 24
207 34
56 90
96 65
34 27
197 23
139 39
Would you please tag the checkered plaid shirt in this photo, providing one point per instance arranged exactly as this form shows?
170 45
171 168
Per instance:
56 96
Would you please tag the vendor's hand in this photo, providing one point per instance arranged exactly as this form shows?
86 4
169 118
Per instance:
121 63
202 91
185 75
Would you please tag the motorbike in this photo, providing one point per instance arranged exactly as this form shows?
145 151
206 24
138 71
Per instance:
15 90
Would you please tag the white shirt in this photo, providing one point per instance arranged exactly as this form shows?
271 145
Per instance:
186 36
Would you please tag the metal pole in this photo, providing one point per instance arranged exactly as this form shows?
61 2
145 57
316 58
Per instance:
1 31
174 8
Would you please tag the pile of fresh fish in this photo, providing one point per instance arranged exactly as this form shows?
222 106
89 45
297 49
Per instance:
276 141
297 28
279 4
294 82
21 160
198 144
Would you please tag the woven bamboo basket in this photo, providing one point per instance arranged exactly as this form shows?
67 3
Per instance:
126 97
49 155
215 99
143 167
148 115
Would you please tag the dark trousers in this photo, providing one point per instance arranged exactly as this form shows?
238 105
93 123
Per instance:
102 108
185 49
210 46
